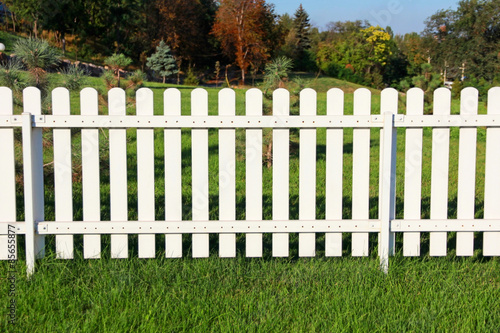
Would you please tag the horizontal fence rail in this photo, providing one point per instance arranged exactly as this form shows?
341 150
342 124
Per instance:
85 173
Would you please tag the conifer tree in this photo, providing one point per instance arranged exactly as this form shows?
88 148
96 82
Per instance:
162 61
302 28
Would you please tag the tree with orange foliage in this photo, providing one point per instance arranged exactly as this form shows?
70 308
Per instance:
240 28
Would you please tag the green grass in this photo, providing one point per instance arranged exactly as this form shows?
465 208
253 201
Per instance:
257 295
270 294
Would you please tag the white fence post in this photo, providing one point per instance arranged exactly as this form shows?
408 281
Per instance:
466 196
387 190
91 182
145 172
118 172
413 171
63 172
307 173
440 171
33 177
491 240
227 172
361 171
173 172
281 172
253 176
199 158
334 171
7 176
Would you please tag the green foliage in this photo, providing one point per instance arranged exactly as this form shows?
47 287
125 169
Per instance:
191 79
276 73
11 76
36 53
108 78
74 78
162 61
117 62
136 79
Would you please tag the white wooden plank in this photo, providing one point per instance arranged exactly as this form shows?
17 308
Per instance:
334 171
118 172
281 137
253 176
491 240
173 173
145 173
413 171
440 171
90 173
7 178
63 174
467 171
388 103
33 104
361 171
199 151
307 173
227 172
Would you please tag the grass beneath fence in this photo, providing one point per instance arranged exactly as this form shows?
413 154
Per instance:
256 295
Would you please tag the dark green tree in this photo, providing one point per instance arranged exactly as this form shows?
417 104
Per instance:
162 61
302 28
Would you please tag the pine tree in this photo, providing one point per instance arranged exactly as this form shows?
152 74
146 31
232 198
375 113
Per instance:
302 29
162 61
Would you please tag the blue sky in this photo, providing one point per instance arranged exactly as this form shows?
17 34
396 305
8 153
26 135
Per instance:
402 15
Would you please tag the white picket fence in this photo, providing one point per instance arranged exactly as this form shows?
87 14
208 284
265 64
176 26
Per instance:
89 122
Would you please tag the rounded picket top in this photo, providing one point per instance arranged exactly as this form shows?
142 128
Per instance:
415 102
362 101
116 102
172 102
308 104
469 101
442 101
335 102
389 101
145 102
281 102
32 100
253 102
60 101
6 107
199 102
494 100
89 101
227 102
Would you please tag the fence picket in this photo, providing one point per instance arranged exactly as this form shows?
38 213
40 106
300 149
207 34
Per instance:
7 176
467 171
199 151
307 173
34 201
118 172
63 173
361 171
227 172
173 173
253 177
145 172
334 171
388 103
491 240
440 171
281 148
413 171
90 173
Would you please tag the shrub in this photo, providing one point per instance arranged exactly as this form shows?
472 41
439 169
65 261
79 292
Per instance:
75 78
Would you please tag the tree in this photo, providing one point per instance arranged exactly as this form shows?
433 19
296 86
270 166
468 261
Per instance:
162 61
239 28
117 62
301 27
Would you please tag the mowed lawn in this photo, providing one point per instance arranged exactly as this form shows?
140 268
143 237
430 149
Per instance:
266 294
